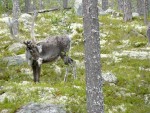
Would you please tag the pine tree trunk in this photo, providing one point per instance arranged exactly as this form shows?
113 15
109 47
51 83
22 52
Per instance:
140 7
148 5
41 4
145 11
92 57
148 33
16 12
34 5
104 5
120 5
65 4
127 10
27 5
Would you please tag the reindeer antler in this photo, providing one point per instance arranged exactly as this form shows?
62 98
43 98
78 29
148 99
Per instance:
15 37
32 27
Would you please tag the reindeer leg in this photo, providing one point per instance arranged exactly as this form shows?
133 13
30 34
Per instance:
36 71
74 69
63 57
66 75
73 65
69 61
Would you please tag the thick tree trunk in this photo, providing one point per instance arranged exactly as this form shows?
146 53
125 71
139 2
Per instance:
16 11
92 57
104 5
127 10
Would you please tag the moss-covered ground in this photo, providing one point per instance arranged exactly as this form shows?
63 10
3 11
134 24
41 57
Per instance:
131 93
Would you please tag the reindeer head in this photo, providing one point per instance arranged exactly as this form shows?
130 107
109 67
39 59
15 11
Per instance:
32 50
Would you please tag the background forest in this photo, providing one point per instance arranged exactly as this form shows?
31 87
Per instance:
125 56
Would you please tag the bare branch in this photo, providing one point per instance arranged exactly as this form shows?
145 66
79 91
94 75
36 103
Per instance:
49 10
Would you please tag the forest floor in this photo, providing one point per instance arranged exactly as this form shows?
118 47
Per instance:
124 53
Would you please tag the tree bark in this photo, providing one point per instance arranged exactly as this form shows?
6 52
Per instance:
140 7
27 5
65 4
34 5
16 12
104 5
41 4
127 10
148 33
148 5
92 57
145 11
120 5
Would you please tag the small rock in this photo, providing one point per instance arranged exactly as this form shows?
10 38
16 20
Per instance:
135 14
109 77
57 69
15 47
9 96
15 60
133 54
78 7
26 20
5 15
26 71
5 20
5 111
109 11
147 99
25 17
101 12
42 19
41 108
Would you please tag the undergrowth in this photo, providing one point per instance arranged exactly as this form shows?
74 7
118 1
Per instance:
130 90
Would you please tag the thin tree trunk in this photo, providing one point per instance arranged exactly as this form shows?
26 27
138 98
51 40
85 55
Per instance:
104 5
34 5
120 5
127 10
16 11
27 5
41 4
148 5
148 33
65 4
92 57
140 7
145 11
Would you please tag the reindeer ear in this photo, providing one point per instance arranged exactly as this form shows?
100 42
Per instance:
25 42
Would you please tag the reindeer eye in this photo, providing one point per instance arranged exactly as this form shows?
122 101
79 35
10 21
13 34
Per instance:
29 48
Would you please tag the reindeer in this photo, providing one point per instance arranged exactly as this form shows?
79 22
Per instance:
45 51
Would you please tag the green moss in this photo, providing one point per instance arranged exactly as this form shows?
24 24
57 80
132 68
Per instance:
132 74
